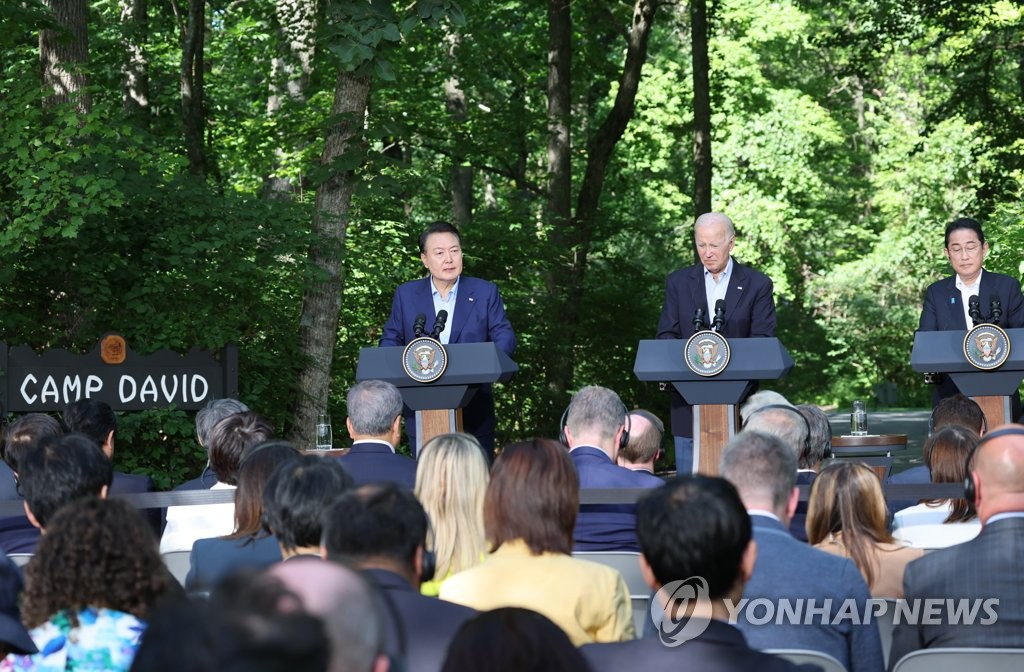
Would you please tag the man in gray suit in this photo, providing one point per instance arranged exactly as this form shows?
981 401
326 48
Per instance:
829 589
968 576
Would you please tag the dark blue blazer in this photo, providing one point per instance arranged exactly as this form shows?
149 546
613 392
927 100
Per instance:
720 648
606 527
914 475
370 462
479 318
944 311
213 559
204 481
798 524
17 535
124 484
749 313
790 569
420 627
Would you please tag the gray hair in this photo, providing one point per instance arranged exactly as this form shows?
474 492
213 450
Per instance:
785 422
215 411
821 435
759 400
710 218
596 409
760 466
373 406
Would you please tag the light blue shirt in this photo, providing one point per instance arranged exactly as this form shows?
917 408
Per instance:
447 304
713 290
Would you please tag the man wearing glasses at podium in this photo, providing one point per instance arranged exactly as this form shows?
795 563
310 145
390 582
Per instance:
948 304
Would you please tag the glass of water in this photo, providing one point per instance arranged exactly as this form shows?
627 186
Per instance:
324 438
859 419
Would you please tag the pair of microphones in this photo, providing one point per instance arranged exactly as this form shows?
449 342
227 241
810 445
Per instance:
420 324
995 310
700 319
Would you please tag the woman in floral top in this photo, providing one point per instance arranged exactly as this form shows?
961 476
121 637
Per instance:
89 588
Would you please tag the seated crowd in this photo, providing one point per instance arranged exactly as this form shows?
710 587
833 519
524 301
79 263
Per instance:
373 561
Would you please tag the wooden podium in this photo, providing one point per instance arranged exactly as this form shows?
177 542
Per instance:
943 352
438 405
715 398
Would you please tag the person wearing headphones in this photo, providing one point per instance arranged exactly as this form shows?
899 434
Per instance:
595 427
984 572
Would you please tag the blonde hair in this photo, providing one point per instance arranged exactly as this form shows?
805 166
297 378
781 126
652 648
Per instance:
451 479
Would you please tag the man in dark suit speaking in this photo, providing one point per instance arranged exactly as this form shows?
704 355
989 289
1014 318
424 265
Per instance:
947 302
749 308
475 314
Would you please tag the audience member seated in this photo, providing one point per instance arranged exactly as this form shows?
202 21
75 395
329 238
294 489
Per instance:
294 500
451 478
90 587
249 545
206 418
695 526
97 420
511 639
595 428
945 454
985 568
375 424
763 469
227 441
646 432
529 515
759 399
955 411
847 517
14 638
381 529
17 534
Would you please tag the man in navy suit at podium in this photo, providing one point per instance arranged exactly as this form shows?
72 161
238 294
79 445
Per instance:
475 314
947 302
749 308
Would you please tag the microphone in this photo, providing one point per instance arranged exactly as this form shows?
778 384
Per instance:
419 325
995 310
442 317
974 310
719 321
699 320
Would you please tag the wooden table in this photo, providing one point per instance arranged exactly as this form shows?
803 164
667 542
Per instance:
868 444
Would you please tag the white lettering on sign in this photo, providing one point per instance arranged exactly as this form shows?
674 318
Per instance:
66 391
169 389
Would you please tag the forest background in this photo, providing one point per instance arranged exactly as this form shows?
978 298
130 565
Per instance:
199 172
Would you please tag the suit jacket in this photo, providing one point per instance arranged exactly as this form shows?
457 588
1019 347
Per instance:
606 527
213 559
369 462
798 524
479 318
420 627
914 475
749 312
204 481
790 569
720 648
944 311
124 484
983 568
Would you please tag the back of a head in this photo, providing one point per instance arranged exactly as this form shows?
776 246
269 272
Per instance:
372 407
258 463
100 553
345 603
534 496
95 419
296 496
644 437
26 432
512 639
946 452
61 470
958 411
381 522
694 526
847 498
759 399
230 438
783 421
761 466
215 411
819 444
595 409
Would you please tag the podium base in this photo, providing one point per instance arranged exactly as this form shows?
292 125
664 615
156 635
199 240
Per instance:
713 425
434 422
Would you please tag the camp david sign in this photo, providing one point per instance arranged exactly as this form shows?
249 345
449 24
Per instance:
111 372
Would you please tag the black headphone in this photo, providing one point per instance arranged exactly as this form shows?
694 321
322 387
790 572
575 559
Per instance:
623 438
805 449
969 491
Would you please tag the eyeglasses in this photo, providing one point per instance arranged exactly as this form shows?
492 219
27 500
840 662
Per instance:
970 248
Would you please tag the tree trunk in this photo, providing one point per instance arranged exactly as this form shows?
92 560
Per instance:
291 68
191 29
701 108
462 172
62 53
321 300
135 23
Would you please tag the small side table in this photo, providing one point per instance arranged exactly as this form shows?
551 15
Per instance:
868 444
